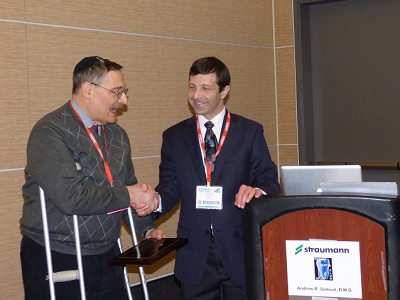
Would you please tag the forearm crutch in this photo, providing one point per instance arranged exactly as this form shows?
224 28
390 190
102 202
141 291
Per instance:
127 284
135 243
67 275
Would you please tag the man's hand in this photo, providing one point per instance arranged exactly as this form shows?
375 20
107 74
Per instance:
245 194
143 199
155 234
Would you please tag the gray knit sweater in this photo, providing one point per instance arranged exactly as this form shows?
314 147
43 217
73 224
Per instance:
64 162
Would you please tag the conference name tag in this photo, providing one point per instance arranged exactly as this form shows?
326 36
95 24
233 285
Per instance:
209 197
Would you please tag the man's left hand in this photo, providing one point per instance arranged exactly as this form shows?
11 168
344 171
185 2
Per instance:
155 234
245 194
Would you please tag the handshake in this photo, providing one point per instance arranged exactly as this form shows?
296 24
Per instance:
143 199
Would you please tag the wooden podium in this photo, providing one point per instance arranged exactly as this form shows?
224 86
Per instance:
374 222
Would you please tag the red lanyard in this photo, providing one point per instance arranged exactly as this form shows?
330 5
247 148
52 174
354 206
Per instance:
94 141
221 142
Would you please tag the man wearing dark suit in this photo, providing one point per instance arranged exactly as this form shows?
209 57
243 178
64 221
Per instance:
213 194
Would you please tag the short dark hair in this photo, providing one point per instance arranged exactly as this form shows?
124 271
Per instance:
209 65
92 69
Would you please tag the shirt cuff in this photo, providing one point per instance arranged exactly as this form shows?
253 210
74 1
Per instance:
264 193
159 208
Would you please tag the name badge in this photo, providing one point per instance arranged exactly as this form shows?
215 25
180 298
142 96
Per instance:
209 197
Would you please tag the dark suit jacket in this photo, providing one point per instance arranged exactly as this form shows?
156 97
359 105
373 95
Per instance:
244 159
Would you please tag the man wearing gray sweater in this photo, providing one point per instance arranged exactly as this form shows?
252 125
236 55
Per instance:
82 160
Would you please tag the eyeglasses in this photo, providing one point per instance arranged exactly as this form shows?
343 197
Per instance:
117 93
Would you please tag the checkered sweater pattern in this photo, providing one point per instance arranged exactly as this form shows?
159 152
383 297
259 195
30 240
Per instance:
62 160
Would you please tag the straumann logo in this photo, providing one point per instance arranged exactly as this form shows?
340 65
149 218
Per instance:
319 250
299 249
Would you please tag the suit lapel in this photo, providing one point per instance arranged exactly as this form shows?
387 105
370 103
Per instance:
227 147
192 143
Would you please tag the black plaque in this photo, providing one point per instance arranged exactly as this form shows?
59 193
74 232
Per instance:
148 251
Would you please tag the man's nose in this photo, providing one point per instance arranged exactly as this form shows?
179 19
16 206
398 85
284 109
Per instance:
123 99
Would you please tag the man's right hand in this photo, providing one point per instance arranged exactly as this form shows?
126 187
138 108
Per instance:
143 199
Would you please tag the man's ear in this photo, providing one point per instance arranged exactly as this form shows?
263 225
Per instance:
225 91
86 89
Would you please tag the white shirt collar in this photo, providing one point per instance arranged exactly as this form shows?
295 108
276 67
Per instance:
218 120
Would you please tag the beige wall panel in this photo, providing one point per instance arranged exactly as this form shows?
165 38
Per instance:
11 209
239 22
285 77
12 10
288 155
50 66
156 70
146 169
13 96
253 89
273 150
283 11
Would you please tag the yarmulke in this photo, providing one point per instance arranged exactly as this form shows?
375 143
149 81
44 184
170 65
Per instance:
87 62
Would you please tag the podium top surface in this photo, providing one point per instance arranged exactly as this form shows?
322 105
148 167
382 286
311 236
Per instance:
380 208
